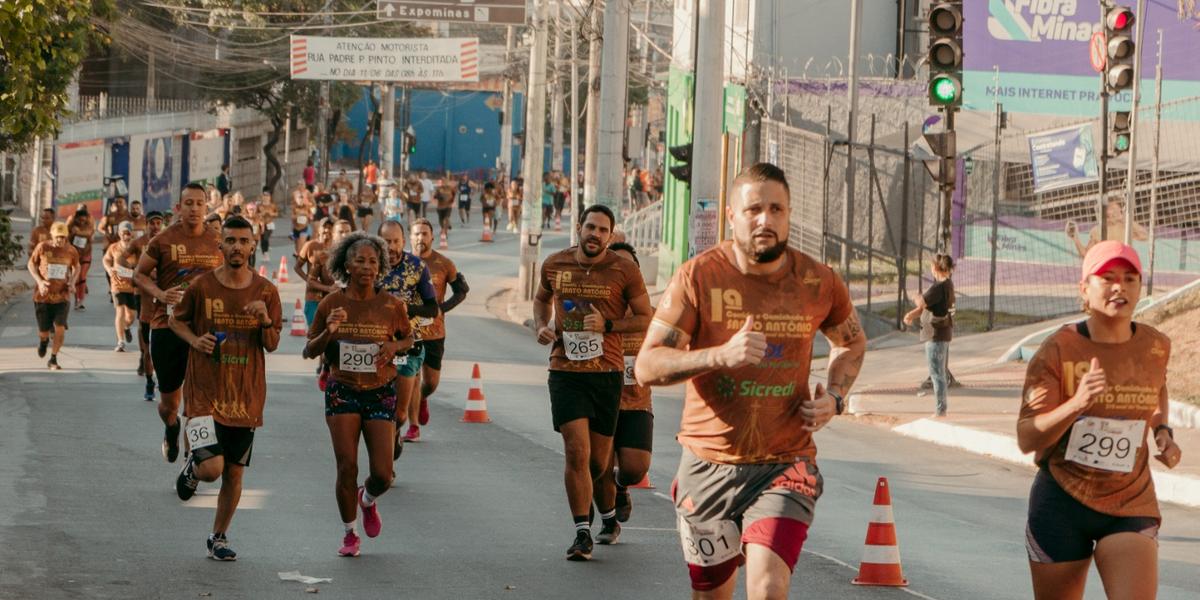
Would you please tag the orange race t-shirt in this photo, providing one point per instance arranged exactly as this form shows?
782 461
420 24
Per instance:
441 272
54 264
633 396
124 260
231 383
40 234
752 414
82 232
181 258
609 285
313 252
381 318
1136 374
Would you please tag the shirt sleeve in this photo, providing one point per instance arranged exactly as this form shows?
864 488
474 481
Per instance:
544 292
935 295
678 307
841 307
1043 389
636 284
185 311
425 286
317 327
154 251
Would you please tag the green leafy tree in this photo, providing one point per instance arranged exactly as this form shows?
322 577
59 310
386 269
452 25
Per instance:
42 43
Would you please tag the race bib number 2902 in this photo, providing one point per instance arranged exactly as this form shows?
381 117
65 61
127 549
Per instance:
1109 444
711 543
583 345
201 432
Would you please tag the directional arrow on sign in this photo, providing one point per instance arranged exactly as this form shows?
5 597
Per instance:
388 10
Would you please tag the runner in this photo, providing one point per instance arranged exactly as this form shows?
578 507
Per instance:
427 190
413 191
306 258
54 265
366 209
1093 393
154 225
82 229
394 205
176 257
737 322
408 279
213 223
588 291
111 221
360 332
138 219
267 213
634 438
228 317
41 233
487 202
119 261
464 200
432 332
371 174
444 195
302 211
515 196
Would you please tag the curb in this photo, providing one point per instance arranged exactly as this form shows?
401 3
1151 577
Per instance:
1169 487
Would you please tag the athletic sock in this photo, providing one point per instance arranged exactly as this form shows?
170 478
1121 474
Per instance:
581 523
608 517
367 498
349 526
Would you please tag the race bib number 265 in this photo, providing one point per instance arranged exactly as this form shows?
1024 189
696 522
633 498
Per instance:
583 345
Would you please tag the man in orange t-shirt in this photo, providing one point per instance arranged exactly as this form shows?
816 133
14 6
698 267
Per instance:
54 266
432 331
737 322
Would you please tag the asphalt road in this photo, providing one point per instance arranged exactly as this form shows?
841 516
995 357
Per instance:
87 507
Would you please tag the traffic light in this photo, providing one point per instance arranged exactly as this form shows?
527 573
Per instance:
1118 64
682 169
1120 138
945 56
410 143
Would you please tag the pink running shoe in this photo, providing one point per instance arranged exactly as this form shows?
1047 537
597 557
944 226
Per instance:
370 515
350 544
413 434
423 414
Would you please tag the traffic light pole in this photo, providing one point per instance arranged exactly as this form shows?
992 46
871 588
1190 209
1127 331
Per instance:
1131 177
949 179
1103 160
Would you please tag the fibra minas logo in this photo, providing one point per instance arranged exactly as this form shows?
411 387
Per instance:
1039 20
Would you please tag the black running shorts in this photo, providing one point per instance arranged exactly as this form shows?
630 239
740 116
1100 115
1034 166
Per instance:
1062 529
128 299
49 315
170 356
434 351
635 429
592 396
234 443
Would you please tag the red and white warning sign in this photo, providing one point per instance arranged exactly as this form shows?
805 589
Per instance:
385 59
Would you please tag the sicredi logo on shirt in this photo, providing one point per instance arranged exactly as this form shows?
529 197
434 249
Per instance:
729 388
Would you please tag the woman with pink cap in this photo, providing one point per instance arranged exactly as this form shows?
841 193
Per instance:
1093 393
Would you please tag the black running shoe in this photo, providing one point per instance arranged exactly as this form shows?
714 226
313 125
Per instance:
42 345
624 505
186 482
128 336
609 533
170 443
149 390
582 548
398 448
218 549
52 364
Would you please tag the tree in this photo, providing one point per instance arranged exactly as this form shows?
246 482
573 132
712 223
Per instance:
42 43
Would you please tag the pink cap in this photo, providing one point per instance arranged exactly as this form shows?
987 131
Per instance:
1102 255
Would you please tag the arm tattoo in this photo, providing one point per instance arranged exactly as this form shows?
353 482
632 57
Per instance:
671 339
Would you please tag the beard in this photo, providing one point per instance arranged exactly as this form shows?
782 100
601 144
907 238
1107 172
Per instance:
764 255
583 246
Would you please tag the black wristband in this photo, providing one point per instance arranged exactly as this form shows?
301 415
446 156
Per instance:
1170 432
608 325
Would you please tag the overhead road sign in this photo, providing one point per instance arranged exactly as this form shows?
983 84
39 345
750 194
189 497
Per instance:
495 12
385 59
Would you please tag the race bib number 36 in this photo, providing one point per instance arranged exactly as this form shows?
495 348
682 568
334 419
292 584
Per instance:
201 432
583 345
708 544
1108 444
629 378
56 271
357 358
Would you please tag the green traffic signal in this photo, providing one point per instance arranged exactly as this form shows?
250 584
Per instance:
944 90
1121 143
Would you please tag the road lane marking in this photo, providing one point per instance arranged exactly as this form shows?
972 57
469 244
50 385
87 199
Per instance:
252 499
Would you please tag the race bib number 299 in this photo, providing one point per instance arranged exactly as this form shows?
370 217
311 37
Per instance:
1109 444
711 543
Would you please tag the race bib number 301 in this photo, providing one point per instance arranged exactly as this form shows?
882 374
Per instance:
357 358
1108 444
583 345
201 432
708 544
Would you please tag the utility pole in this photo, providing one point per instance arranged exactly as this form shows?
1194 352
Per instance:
646 75
1158 75
1131 177
591 151
851 137
387 134
573 162
505 164
323 121
707 119
556 108
610 159
535 143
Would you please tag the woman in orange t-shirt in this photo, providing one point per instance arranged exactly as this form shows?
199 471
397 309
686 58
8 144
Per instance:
1093 393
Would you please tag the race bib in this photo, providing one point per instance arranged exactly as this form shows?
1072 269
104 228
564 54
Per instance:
301 219
271 226
423 321
400 360
137 233
80 241
201 432
1108 444
629 378
56 271
708 544
125 272
583 345
357 358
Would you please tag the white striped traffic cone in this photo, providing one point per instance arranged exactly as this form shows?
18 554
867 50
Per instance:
476 410
881 556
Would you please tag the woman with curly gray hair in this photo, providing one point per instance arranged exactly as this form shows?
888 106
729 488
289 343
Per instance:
360 330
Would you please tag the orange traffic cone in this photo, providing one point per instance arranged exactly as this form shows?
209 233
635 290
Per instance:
443 244
282 276
299 323
881 556
262 270
644 484
487 234
476 410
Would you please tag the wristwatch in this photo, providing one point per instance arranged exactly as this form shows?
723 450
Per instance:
839 403
1170 432
608 325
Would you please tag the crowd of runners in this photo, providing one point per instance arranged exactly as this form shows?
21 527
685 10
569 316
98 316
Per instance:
736 323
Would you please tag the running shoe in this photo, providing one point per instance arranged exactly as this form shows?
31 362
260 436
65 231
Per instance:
42 344
413 434
52 364
128 336
398 449
423 413
372 523
186 482
120 347
79 307
624 505
170 443
149 390
218 548
582 548
609 533
350 544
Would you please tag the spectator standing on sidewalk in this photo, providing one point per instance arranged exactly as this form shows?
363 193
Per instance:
935 308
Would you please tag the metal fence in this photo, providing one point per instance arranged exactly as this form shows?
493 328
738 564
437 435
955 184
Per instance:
107 107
